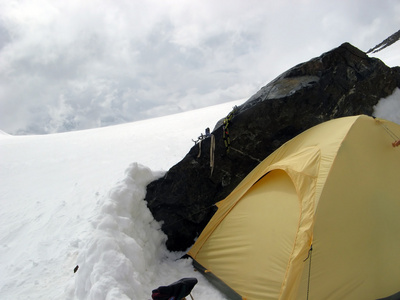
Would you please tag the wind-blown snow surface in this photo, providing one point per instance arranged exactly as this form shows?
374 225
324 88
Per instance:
77 199
66 200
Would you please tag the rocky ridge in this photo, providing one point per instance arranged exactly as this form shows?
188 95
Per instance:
340 82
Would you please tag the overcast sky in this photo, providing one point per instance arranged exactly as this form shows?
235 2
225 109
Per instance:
74 64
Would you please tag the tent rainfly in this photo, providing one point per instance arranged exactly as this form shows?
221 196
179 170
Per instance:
317 219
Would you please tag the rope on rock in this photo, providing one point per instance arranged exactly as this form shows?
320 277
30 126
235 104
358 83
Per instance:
244 154
212 150
198 155
225 128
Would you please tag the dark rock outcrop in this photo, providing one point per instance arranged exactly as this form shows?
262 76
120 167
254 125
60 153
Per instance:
341 82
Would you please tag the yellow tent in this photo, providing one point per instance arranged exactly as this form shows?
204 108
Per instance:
318 219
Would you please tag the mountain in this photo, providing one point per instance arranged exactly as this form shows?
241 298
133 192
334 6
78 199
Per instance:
77 199
342 82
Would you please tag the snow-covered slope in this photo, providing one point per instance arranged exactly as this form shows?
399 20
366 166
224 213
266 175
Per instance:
77 199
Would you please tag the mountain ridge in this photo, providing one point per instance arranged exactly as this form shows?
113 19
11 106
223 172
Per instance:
341 82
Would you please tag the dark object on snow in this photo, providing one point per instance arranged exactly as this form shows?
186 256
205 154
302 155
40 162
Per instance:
392 297
76 268
176 291
341 82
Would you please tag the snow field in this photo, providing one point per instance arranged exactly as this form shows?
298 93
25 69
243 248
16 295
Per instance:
65 201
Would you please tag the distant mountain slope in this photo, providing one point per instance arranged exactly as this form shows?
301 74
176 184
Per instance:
385 43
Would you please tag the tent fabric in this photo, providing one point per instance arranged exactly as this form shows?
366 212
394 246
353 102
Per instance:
335 187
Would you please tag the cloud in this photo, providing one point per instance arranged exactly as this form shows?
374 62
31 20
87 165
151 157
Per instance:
69 65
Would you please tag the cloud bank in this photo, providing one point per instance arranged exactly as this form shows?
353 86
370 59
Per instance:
70 65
